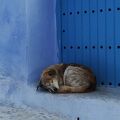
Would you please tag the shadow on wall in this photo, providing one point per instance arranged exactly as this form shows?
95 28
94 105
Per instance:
41 36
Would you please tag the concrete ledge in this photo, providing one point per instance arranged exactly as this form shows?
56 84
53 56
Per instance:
104 104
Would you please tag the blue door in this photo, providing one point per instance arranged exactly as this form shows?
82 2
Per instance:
89 34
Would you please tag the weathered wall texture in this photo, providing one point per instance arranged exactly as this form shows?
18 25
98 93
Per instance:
27 38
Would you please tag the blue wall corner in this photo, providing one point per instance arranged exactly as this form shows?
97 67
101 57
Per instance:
27 38
42 47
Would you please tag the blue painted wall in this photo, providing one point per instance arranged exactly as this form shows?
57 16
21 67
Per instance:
27 38
42 48
12 38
